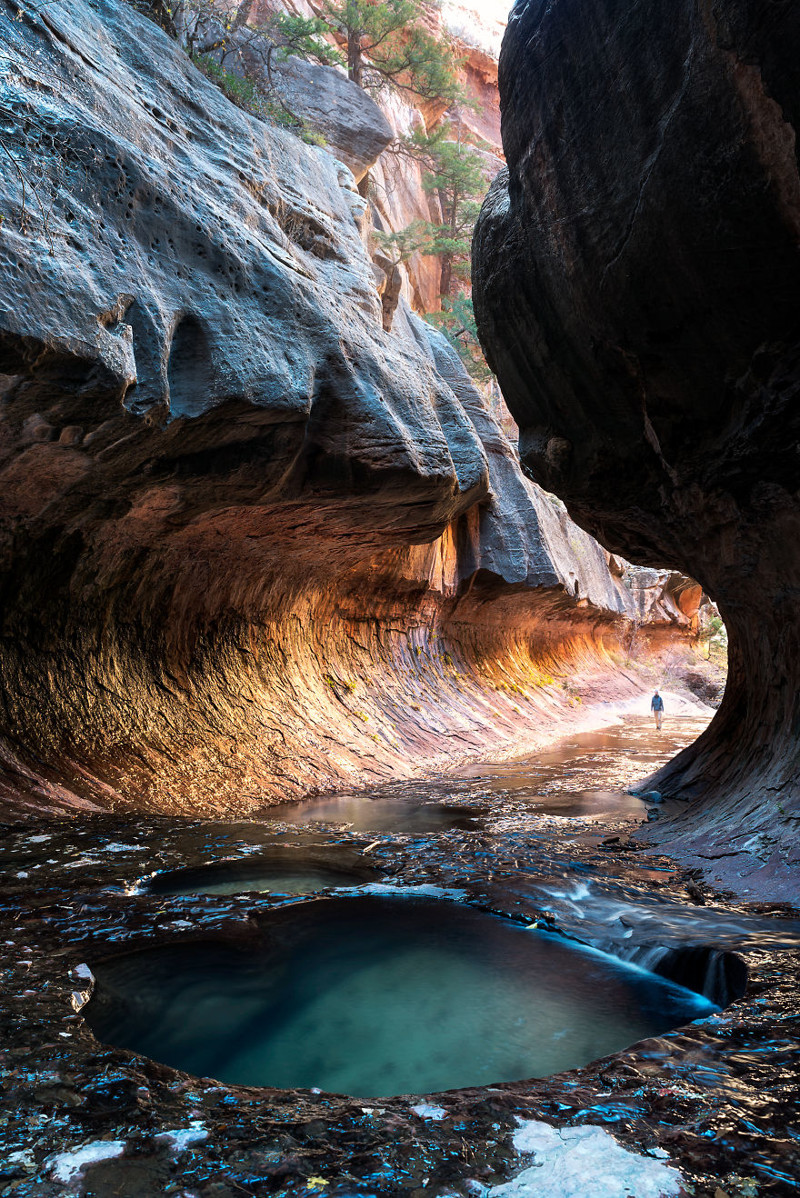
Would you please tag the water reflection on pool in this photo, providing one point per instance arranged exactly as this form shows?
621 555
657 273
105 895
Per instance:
253 876
413 814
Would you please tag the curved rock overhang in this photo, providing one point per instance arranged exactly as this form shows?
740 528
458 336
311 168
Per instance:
637 285
251 544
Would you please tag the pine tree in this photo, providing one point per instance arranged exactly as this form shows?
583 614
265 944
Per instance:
455 173
457 321
384 44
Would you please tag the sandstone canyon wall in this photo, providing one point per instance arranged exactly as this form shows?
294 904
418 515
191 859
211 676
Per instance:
637 285
365 130
251 543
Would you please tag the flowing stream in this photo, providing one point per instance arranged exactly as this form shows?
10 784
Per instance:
496 925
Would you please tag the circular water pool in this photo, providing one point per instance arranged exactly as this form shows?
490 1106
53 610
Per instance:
380 996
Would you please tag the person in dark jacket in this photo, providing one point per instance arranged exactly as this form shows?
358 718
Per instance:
657 708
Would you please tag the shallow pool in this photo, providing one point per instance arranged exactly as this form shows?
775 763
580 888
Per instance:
379 996
415 815
254 876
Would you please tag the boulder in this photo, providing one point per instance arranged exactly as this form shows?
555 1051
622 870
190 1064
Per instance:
352 125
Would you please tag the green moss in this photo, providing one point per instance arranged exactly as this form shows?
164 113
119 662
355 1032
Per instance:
246 94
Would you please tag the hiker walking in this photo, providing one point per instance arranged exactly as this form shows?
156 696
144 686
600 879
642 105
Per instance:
657 708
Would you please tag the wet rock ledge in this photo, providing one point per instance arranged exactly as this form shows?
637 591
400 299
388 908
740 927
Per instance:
705 1109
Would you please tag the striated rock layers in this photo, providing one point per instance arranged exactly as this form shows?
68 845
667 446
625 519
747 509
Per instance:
250 543
637 280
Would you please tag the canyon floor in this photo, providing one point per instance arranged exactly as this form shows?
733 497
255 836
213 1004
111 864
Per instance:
554 840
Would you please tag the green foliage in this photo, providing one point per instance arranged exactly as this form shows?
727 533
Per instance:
452 168
416 238
159 11
712 636
242 92
381 42
454 172
304 37
457 322
246 94
216 37
384 44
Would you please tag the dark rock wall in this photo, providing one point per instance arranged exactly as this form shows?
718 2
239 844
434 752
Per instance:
251 543
637 284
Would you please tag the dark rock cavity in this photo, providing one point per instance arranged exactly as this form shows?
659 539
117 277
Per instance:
637 286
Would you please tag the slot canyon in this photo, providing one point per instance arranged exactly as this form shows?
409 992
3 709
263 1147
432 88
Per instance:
341 851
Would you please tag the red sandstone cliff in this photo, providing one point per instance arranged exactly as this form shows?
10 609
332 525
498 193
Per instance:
364 129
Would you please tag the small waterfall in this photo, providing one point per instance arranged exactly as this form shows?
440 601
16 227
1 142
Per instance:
719 975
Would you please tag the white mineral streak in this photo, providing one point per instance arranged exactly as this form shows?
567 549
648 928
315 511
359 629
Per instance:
67 1166
425 890
573 1162
25 1158
425 1111
79 998
183 1137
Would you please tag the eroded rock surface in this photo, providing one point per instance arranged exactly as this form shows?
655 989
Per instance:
713 1101
251 543
637 280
